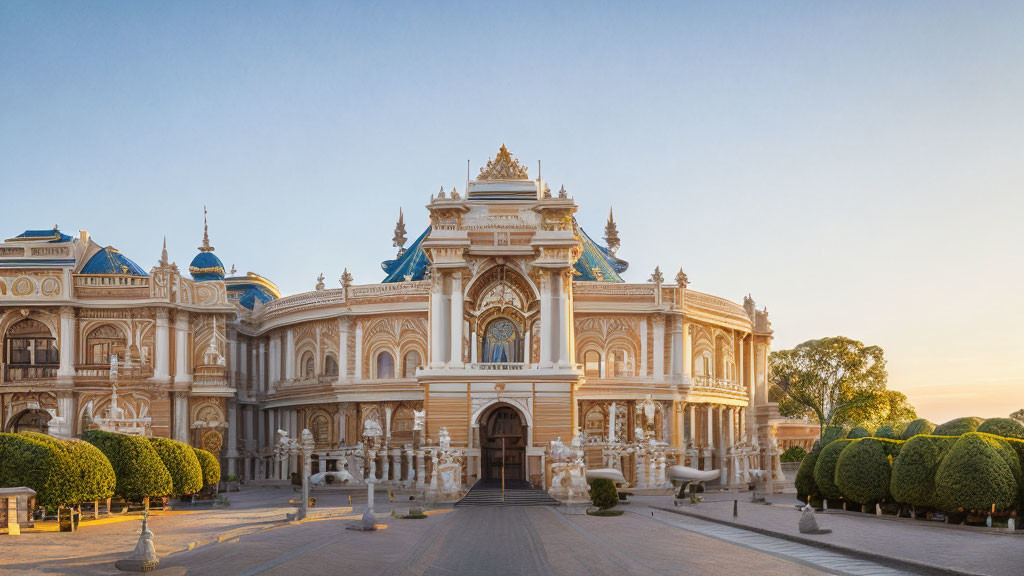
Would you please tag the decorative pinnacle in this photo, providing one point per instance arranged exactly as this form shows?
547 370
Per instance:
611 233
399 239
681 279
455 194
440 195
206 235
562 193
320 282
233 270
163 254
657 277
346 279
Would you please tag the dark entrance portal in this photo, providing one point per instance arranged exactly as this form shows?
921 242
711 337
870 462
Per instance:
503 429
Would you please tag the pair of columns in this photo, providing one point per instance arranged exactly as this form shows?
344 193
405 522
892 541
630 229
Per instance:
446 319
681 349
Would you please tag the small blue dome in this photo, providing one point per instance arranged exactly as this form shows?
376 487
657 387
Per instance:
110 261
206 266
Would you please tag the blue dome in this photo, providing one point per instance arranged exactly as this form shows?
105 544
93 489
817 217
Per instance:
249 297
206 266
110 261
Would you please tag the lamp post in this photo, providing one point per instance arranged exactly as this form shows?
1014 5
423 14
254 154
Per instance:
286 447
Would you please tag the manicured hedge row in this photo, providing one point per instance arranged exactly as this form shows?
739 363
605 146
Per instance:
913 472
825 469
90 473
864 469
919 426
806 488
1005 427
210 466
858 432
958 426
886 432
28 462
182 463
139 471
979 472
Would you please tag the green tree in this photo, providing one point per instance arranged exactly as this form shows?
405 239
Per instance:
838 380
182 463
890 408
138 469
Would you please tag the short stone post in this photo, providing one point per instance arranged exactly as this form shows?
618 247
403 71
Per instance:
143 557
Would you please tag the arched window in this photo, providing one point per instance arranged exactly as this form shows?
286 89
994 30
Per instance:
706 364
29 343
592 363
594 424
330 366
102 343
308 368
410 363
385 365
502 342
620 364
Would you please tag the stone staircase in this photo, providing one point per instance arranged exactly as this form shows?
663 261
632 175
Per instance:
516 494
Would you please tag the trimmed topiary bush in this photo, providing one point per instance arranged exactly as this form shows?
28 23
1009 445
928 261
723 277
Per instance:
913 471
980 470
90 474
25 461
603 493
919 426
1005 427
211 467
139 471
886 432
864 469
825 469
858 432
806 488
958 426
181 462
793 454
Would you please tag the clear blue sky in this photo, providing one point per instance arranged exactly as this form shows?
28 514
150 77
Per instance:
857 166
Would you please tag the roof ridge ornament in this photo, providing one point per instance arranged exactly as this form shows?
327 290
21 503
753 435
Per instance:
399 240
504 166
657 277
611 233
681 279
206 235
163 254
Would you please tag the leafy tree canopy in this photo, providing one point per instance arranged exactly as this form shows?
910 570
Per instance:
838 380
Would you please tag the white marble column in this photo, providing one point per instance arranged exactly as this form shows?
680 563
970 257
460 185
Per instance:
181 353
243 367
181 416
274 363
66 410
289 354
473 346
693 423
546 320
643 348
676 353
564 321
687 367
611 423
262 367
456 321
437 321
344 324
659 347
709 458
527 351
232 452
67 344
359 350
723 444
162 343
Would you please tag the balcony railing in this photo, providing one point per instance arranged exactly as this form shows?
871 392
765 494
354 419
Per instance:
19 373
712 383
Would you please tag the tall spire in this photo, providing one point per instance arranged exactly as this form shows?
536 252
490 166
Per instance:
399 240
163 254
206 235
611 233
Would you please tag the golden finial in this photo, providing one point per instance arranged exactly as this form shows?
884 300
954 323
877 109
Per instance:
681 279
163 253
399 240
206 235
657 277
611 233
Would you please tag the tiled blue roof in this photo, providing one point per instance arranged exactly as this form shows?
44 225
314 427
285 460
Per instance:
249 297
110 261
206 266
413 263
53 235
596 263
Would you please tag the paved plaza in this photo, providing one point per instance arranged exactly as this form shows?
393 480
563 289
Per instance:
251 537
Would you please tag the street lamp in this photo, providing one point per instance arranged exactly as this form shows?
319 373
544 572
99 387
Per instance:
286 447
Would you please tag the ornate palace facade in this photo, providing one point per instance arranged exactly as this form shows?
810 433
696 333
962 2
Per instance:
503 323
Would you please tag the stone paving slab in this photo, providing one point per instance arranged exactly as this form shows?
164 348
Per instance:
988 553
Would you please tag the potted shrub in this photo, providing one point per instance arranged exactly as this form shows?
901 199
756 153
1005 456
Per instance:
604 497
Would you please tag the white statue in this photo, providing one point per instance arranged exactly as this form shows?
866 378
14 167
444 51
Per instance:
444 439
372 428
648 407
559 451
143 558
419 419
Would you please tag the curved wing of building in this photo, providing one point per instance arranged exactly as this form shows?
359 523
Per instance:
503 329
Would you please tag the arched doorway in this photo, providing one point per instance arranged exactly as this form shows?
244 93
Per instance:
31 421
503 445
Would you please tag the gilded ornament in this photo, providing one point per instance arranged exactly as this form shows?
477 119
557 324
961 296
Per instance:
503 167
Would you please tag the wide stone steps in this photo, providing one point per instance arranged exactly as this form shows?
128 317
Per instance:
520 496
